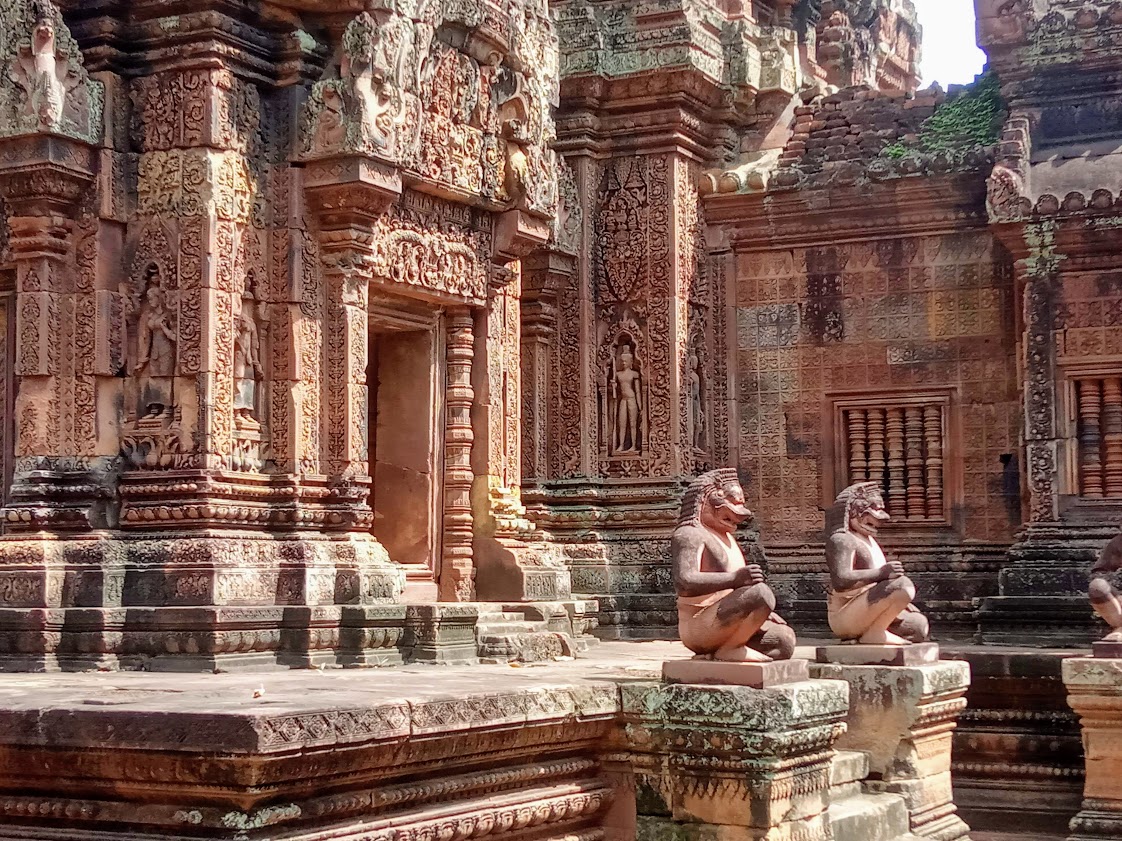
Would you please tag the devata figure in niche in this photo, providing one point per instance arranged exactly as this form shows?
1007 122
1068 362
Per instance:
247 360
725 610
870 598
627 393
1104 597
154 362
696 416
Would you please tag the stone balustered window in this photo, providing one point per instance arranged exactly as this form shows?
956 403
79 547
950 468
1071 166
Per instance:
900 442
1097 404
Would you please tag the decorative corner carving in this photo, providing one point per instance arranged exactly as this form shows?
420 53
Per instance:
361 106
47 89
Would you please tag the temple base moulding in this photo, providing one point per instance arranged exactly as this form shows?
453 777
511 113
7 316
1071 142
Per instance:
214 601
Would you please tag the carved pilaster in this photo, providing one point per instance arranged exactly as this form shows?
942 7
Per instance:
514 562
58 482
542 278
1040 399
457 579
346 196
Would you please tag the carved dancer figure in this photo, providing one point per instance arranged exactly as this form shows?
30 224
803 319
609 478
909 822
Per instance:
247 360
870 598
725 610
1107 601
155 349
629 403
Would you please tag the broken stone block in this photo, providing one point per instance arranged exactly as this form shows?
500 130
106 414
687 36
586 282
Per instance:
903 718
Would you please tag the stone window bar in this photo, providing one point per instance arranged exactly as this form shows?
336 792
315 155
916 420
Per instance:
899 442
1098 418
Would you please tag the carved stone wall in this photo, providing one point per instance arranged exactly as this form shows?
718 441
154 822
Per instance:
1055 224
200 213
639 326
898 317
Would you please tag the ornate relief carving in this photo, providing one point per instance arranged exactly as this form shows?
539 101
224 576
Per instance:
622 220
455 111
248 370
154 354
435 245
570 216
47 88
196 108
623 417
195 182
362 108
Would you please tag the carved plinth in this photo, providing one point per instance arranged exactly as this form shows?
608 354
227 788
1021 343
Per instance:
511 570
443 633
1094 688
1043 599
755 675
903 717
421 757
917 654
1107 650
730 761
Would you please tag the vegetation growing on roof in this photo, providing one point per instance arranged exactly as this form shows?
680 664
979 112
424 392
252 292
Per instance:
972 119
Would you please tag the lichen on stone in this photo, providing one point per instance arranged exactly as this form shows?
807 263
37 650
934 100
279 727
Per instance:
970 120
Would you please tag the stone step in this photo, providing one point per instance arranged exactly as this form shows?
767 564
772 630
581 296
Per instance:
499 616
510 626
848 766
869 817
527 647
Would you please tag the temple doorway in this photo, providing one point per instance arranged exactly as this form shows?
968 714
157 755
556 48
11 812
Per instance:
405 377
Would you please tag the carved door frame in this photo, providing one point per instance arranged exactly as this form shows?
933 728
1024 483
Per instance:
393 314
7 386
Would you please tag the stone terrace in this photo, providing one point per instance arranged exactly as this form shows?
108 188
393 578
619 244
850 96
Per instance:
228 743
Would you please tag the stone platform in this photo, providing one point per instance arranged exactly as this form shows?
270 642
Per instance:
594 749
755 675
1018 723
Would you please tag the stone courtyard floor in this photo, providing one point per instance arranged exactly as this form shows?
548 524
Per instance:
238 712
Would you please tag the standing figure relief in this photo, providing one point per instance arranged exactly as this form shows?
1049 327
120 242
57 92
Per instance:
247 360
628 396
154 359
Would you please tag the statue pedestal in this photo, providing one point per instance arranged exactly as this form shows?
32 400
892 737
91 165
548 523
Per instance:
917 654
1107 650
1094 687
903 718
729 762
754 675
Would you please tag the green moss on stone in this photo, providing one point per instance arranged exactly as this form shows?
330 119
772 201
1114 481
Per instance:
972 119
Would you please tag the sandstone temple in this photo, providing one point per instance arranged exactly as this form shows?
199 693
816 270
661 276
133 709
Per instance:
361 351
